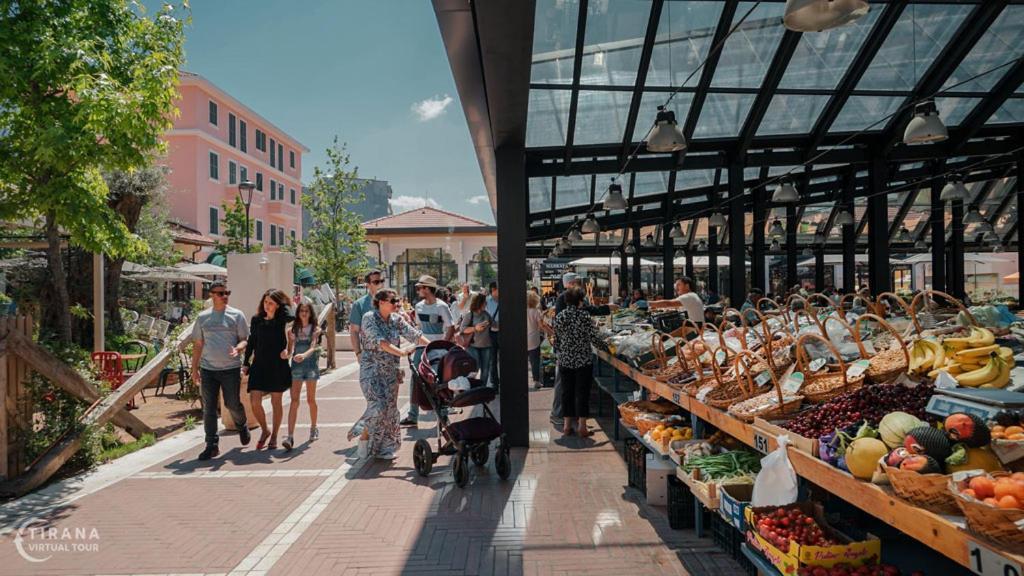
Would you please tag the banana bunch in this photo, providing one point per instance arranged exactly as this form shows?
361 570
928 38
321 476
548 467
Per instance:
926 356
975 360
994 374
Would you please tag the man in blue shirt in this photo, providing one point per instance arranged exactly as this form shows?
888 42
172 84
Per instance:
493 310
360 307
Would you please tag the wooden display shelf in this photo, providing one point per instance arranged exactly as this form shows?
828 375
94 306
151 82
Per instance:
661 389
640 437
944 534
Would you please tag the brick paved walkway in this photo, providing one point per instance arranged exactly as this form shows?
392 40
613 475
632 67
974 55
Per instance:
319 510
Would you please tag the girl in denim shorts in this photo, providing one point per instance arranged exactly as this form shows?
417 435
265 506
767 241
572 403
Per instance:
305 356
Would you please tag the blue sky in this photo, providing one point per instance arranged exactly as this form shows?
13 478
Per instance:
374 73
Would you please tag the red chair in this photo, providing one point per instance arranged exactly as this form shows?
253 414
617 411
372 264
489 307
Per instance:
111 370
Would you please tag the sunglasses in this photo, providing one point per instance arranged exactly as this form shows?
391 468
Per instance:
394 301
221 293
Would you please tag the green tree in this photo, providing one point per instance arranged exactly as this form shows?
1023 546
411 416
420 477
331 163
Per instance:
235 231
88 86
335 247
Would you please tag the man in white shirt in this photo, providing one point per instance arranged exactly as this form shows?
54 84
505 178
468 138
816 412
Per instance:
692 304
434 319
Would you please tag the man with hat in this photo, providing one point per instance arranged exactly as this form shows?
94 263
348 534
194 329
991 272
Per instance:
434 319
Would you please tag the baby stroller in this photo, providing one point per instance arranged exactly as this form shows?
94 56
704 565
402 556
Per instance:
440 363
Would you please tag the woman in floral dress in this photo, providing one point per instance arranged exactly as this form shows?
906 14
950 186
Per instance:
380 372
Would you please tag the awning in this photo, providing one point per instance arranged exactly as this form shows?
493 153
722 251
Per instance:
702 261
594 261
166 274
304 276
133 268
976 257
835 259
217 259
204 269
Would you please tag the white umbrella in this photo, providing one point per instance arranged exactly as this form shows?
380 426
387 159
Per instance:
203 269
602 261
133 268
167 274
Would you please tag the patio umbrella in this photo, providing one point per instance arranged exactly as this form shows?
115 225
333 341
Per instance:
133 268
1012 277
204 269
167 274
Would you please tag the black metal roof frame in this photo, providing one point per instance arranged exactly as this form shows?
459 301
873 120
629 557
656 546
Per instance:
972 138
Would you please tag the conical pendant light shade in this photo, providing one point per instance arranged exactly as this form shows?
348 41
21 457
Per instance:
925 126
665 135
844 218
630 250
702 245
818 15
575 235
676 231
717 220
649 241
921 245
775 246
614 200
786 192
903 235
954 189
590 225
776 231
679 254
616 253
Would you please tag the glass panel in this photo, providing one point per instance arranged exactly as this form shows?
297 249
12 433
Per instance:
953 110
614 38
1011 111
791 114
748 52
572 191
650 183
540 194
1001 43
601 116
687 179
684 38
918 37
547 118
649 110
723 115
554 41
821 59
860 112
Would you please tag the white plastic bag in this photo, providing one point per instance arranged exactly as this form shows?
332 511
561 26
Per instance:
776 483
460 384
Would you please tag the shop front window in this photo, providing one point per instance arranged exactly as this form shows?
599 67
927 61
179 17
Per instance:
416 262
483 268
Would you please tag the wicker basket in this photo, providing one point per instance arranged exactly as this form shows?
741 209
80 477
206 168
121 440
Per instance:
819 388
924 298
887 365
830 304
629 411
671 370
762 405
660 361
795 321
895 309
928 491
647 422
996 524
848 301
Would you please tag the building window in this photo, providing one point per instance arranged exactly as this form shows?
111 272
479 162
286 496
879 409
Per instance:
280 157
280 235
243 173
291 158
261 140
214 166
273 151
259 230
280 191
214 220
259 181
273 189
292 194
232 172
273 234
293 236
231 130
213 112
243 143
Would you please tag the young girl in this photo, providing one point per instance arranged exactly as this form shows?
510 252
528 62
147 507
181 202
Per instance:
266 361
305 353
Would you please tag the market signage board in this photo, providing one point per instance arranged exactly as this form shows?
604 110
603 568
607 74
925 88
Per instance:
986 562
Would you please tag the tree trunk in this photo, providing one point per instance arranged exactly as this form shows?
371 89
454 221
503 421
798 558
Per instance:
112 293
57 308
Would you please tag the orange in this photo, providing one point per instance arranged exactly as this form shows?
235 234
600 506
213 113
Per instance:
1013 430
1018 476
982 486
1008 502
998 428
991 501
969 492
1004 487
1017 436
998 435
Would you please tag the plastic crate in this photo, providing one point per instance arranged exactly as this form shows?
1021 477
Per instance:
680 505
636 464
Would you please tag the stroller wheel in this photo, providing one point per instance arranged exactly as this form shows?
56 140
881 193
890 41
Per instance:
460 468
480 454
503 461
422 457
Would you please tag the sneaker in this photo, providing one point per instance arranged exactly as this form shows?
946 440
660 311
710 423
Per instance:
314 434
408 422
386 456
244 436
288 442
210 452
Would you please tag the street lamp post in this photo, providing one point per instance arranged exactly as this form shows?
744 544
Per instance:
245 188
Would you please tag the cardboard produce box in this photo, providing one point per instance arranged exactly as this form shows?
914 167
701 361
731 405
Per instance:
733 500
789 562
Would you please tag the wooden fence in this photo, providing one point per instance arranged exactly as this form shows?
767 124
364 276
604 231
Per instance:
16 415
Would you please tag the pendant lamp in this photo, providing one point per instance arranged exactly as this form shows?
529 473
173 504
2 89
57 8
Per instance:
676 230
844 218
665 135
785 193
818 15
614 199
702 246
776 231
775 246
616 253
954 189
590 225
679 254
574 234
717 220
630 250
903 235
926 126
649 241
921 245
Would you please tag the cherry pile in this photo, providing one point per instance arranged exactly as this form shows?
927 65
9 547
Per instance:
869 403
848 570
791 524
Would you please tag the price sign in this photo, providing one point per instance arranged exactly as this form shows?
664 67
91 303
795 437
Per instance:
944 380
817 364
675 397
869 347
761 445
793 384
857 368
983 561
763 378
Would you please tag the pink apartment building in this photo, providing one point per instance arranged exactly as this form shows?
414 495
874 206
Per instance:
218 142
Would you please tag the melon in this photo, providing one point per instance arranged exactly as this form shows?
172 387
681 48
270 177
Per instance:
862 456
928 441
894 427
972 459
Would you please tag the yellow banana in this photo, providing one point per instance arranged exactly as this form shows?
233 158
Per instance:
967 355
968 366
981 337
1006 353
938 354
1004 374
951 370
985 375
957 343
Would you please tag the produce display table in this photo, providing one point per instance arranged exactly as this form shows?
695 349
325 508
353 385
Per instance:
944 534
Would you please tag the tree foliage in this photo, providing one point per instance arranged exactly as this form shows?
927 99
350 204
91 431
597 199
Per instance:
234 230
88 86
335 246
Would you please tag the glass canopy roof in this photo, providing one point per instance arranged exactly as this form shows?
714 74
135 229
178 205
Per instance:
765 83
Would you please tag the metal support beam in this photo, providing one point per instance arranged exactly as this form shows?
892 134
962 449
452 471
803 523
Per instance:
641 78
577 68
760 217
713 287
849 240
1020 229
819 269
997 96
880 277
901 214
710 66
955 282
637 283
737 236
780 62
668 244
690 235
937 222
791 252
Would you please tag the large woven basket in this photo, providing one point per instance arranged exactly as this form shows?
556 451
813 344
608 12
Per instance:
658 350
671 369
928 491
996 524
925 305
825 386
854 336
895 309
886 365
768 405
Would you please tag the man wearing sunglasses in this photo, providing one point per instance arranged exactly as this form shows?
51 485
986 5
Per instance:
360 307
218 341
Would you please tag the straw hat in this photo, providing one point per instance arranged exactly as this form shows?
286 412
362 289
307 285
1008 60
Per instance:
428 281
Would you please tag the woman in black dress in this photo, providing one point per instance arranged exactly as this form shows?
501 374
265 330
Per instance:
266 361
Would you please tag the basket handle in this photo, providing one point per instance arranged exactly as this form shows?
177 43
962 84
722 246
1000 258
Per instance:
814 320
853 333
679 343
928 294
658 348
807 305
770 341
778 308
829 303
882 322
748 387
892 296
801 354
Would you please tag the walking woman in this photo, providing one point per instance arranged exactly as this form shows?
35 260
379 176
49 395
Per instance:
266 361
380 372
535 329
305 354
476 334
574 334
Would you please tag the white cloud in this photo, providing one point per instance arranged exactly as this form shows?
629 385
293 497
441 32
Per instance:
404 203
477 200
427 110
